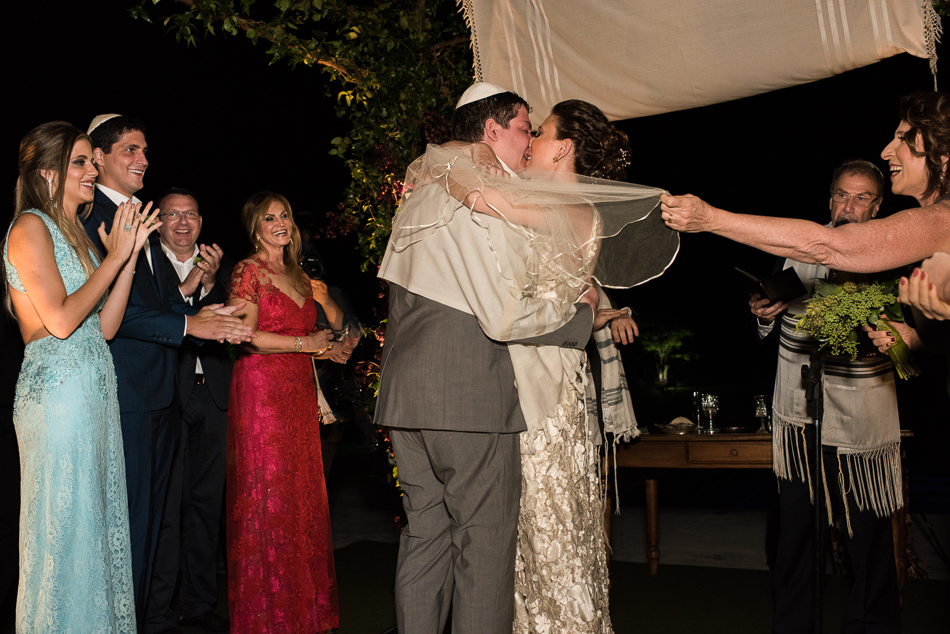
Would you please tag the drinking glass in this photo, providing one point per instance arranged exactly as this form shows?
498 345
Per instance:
710 404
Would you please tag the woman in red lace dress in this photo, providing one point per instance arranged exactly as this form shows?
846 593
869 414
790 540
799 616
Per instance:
280 552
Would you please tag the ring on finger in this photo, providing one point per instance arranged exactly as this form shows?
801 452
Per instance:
127 227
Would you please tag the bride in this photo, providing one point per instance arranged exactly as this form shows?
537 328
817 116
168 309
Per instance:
565 226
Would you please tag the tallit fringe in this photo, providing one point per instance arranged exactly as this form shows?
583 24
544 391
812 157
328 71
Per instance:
933 30
876 479
467 9
789 459
844 498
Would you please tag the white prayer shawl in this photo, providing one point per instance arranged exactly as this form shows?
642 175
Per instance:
635 58
860 414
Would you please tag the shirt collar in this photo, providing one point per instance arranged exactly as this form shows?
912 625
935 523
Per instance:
174 256
115 196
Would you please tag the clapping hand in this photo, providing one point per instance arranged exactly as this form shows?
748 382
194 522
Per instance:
925 286
130 230
217 322
204 271
208 264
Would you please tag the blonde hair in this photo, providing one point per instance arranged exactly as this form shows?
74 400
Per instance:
49 147
252 216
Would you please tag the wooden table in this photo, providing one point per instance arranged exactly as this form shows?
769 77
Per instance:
691 451
719 451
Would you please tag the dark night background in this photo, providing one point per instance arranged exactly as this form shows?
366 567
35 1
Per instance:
225 123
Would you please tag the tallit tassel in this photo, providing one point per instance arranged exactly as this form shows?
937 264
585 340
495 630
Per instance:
824 484
788 453
844 499
876 479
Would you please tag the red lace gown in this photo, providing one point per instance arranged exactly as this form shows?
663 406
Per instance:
281 577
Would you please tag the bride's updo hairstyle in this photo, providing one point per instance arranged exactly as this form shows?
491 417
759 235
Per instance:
600 150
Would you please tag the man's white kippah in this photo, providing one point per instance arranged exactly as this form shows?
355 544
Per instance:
479 91
98 121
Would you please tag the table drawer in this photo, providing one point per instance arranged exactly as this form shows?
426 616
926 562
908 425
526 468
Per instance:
728 453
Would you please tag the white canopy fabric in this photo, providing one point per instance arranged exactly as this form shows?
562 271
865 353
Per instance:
635 58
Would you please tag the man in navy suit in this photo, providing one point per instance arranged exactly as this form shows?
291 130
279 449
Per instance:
189 532
145 349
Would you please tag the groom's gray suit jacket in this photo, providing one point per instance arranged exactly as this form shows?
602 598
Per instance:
440 371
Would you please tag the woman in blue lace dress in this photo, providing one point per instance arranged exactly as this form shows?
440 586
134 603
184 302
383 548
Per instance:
75 561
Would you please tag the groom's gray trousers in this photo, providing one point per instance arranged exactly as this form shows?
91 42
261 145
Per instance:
448 394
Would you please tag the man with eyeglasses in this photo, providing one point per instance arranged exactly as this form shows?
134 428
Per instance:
860 427
188 536
144 350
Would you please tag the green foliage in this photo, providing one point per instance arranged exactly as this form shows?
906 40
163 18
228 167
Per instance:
839 309
942 7
394 68
665 344
844 303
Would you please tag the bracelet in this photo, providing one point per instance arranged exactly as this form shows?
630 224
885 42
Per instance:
298 344
132 272
326 348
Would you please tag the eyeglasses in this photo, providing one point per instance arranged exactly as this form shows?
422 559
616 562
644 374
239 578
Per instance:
175 215
862 200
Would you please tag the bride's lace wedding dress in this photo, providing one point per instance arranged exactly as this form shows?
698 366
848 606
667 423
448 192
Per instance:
561 565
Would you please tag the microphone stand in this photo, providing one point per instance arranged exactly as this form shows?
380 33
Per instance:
814 395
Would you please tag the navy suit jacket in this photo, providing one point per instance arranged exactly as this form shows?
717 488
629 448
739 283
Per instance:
145 349
215 360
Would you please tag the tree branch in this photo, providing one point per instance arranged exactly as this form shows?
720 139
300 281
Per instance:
246 25
436 47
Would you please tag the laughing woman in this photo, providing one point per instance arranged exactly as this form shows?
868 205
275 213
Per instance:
917 157
281 577
75 560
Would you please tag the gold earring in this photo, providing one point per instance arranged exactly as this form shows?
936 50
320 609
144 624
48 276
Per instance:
557 157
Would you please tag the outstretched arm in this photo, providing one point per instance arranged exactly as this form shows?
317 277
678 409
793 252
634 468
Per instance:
899 240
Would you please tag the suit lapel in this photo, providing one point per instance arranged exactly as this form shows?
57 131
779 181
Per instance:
158 271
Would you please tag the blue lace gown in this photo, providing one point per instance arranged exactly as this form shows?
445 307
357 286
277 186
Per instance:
75 559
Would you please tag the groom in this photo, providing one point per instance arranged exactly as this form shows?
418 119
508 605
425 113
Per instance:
448 395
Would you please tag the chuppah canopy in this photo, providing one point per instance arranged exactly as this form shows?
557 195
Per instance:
635 58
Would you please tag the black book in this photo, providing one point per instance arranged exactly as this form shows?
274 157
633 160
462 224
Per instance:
784 286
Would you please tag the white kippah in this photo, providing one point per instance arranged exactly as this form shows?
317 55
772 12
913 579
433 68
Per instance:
479 91
98 121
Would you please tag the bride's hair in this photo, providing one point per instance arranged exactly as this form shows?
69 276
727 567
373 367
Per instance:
600 150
